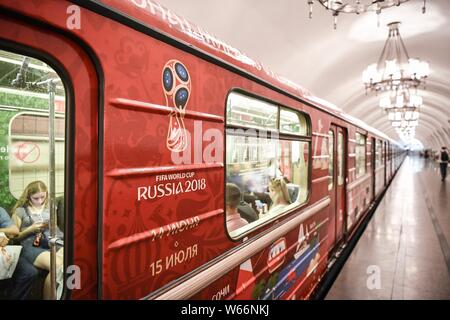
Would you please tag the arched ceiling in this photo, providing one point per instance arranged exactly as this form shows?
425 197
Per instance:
330 62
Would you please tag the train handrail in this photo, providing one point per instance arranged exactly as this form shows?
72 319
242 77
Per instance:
358 181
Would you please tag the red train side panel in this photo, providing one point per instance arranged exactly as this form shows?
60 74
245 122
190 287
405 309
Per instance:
163 230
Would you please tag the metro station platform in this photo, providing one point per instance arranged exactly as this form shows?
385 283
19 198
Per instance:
404 252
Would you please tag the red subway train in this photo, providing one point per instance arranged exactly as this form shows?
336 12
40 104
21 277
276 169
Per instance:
178 167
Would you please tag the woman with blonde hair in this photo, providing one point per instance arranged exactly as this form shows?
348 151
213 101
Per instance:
278 192
31 215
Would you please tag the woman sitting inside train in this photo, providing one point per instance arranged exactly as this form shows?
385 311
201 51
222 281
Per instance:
278 192
31 214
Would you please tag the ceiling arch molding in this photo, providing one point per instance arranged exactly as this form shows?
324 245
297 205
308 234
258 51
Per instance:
434 100
421 132
434 143
424 117
432 112
356 94
447 131
427 122
446 134
439 138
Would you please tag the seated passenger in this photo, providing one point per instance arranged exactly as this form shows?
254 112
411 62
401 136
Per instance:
31 215
235 176
247 212
233 198
25 273
279 194
60 213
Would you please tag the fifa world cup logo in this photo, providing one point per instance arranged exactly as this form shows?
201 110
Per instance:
177 88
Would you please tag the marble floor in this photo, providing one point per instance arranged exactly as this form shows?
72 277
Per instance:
404 252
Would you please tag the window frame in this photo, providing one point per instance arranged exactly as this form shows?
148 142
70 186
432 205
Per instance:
331 147
379 153
360 145
281 136
12 136
341 160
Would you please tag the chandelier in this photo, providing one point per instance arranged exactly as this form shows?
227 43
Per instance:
400 99
357 6
395 70
405 129
395 76
402 108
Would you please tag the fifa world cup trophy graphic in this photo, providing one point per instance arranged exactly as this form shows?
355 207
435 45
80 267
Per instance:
177 88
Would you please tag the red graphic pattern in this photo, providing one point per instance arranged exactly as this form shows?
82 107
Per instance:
176 134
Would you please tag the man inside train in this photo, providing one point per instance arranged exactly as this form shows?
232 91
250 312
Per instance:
233 198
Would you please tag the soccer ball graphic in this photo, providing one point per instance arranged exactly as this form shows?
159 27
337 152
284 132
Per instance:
177 87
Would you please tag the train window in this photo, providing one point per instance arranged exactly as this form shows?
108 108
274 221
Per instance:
340 158
293 123
378 154
360 151
331 159
32 165
30 144
247 112
266 173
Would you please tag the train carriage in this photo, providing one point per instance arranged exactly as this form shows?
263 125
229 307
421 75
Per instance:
152 119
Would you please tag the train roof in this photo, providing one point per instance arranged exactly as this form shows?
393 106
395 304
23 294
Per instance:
160 21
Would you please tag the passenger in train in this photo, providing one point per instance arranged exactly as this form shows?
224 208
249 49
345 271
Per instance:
443 162
235 176
25 273
247 211
233 198
31 214
60 212
278 192
274 170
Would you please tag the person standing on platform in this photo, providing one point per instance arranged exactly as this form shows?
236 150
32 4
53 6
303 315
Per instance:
443 162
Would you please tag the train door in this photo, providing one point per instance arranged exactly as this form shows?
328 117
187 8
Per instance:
385 162
373 159
48 160
336 182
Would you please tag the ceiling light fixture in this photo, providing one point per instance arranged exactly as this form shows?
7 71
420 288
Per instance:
357 6
394 75
395 70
